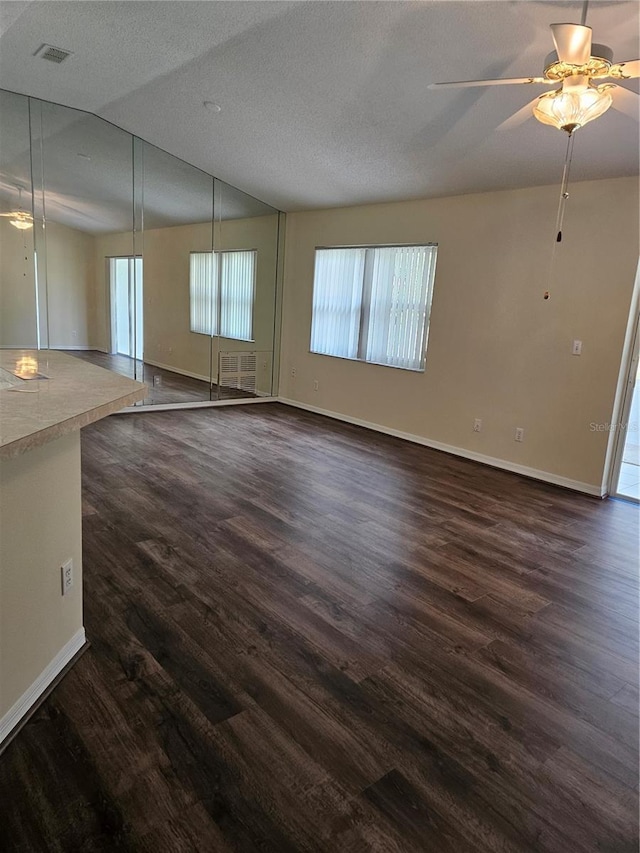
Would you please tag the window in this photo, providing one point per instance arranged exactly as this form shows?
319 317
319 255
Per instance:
373 304
201 279
222 291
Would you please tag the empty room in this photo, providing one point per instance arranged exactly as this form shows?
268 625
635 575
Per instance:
319 418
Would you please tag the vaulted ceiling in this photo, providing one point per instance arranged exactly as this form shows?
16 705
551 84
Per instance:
324 103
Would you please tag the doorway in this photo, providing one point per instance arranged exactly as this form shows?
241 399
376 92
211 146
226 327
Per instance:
125 286
627 467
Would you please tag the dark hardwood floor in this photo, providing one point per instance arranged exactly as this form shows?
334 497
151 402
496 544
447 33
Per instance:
310 637
164 386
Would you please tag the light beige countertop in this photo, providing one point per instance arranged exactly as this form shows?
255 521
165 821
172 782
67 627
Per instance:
74 394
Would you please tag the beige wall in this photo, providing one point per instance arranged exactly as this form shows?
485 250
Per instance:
167 337
40 528
70 287
496 349
17 287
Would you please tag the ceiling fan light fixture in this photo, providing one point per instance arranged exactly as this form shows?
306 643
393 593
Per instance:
569 109
21 223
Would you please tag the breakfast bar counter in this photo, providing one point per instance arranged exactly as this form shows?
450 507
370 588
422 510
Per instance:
45 398
45 394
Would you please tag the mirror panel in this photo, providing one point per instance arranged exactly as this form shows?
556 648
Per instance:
177 243
86 182
18 304
132 258
246 245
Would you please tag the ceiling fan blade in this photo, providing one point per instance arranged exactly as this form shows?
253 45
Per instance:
502 81
573 43
626 70
626 101
518 118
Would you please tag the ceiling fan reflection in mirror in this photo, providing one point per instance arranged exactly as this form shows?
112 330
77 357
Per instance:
586 72
19 218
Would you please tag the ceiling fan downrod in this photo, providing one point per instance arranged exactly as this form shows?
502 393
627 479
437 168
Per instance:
583 20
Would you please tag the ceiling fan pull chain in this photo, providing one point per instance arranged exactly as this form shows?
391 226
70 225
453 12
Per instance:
564 195
564 189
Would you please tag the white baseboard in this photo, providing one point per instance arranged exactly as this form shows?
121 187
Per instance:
192 375
73 348
492 461
28 699
17 346
58 347
177 370
196 404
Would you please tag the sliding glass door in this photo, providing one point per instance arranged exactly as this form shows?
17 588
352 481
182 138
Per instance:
126 307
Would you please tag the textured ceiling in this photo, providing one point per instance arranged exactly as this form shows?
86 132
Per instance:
325 103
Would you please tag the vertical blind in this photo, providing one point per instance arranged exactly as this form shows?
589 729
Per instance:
373 303
337 297
222 293
202 282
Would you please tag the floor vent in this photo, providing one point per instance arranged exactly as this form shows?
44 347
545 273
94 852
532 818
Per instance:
238 370
53 54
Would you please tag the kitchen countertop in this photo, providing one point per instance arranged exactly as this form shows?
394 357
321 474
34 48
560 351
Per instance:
74 393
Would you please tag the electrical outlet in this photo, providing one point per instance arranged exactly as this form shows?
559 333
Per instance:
477 425
66 576
294 372
576 348
157 380
519 436
315 384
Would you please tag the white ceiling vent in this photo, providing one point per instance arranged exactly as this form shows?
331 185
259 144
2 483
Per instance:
53 54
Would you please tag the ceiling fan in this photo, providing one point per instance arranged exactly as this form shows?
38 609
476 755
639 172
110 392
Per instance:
20 218
585 71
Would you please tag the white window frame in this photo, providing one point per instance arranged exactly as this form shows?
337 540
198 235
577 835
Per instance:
364 304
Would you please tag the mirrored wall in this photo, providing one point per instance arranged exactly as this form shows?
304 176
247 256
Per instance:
18 298
121 254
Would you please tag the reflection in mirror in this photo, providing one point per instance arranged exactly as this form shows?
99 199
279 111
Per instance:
244 294
18 305
178 220
130 258
86 185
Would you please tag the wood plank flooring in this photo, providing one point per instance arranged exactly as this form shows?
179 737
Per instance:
310 637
